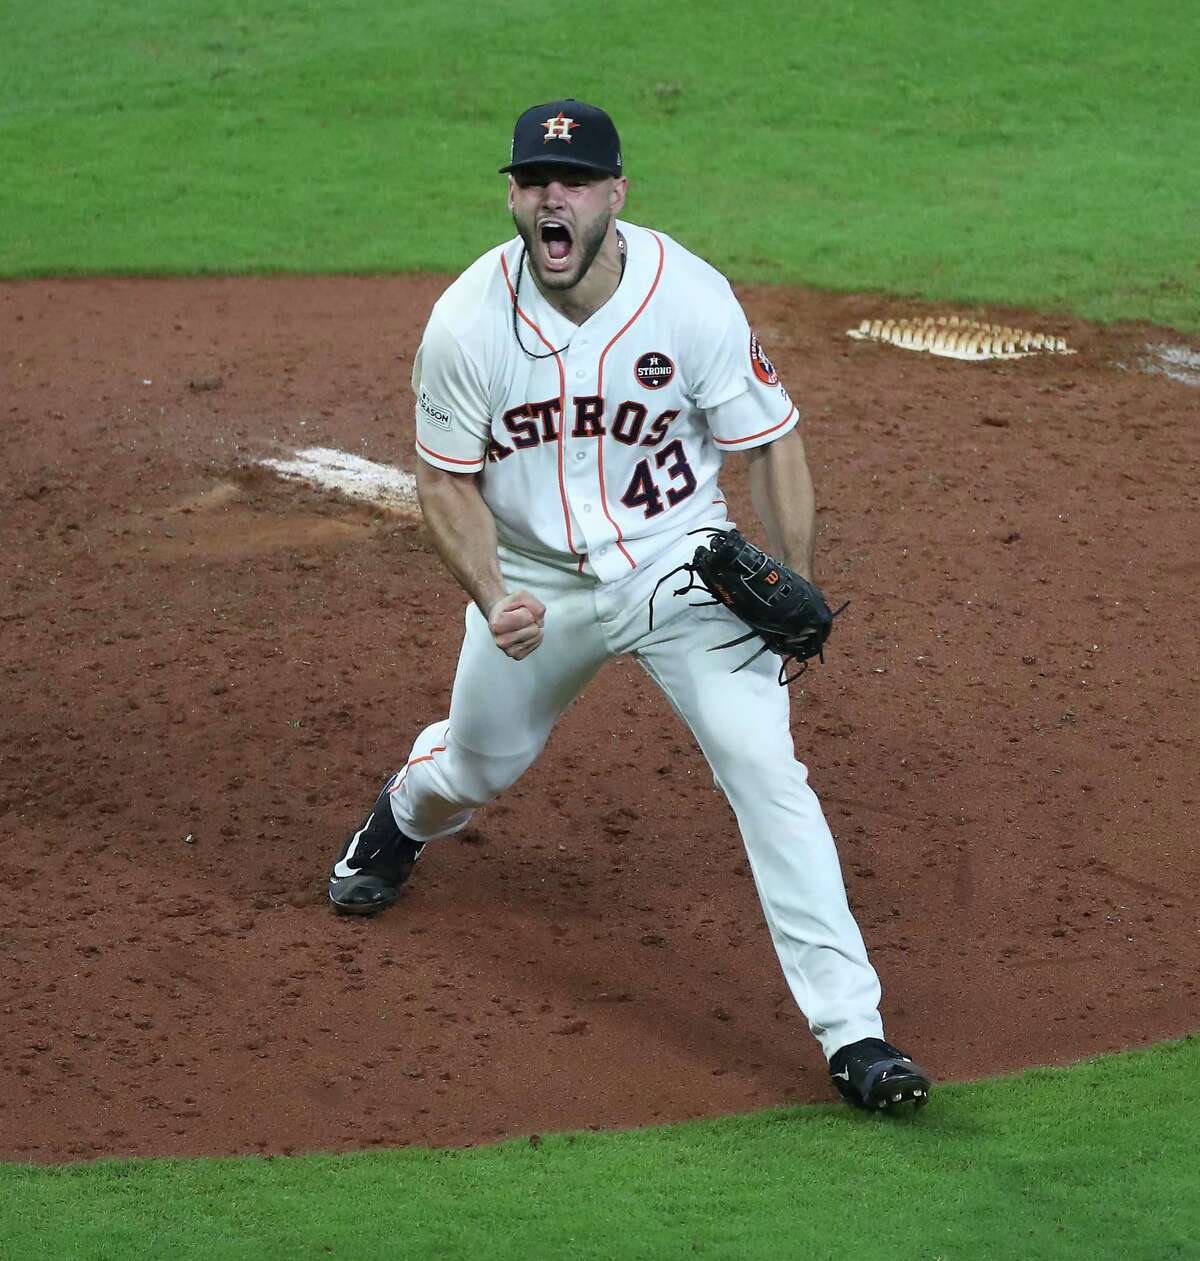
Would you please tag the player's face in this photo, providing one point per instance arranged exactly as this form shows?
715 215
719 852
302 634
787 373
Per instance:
562 214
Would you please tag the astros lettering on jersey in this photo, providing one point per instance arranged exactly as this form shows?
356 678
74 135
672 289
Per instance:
609 446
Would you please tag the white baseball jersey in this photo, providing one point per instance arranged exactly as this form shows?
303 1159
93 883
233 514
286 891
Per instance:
608 448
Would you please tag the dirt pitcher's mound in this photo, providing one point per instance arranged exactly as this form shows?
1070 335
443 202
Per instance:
208 672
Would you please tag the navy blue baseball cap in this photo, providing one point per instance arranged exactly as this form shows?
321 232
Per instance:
566 132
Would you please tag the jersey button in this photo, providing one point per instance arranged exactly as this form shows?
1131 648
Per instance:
580 455
580 374
587 507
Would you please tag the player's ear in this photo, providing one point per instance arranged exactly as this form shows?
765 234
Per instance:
616 195
511 187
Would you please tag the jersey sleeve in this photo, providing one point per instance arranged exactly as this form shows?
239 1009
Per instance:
453 420
737 387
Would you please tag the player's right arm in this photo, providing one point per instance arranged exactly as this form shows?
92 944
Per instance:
464 533
453 428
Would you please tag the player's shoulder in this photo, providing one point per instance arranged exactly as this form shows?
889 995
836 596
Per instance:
684 269
470 319
691 296
475 296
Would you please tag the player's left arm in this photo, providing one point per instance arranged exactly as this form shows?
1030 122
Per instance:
781 490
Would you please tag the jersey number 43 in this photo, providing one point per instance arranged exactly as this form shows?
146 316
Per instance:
643 492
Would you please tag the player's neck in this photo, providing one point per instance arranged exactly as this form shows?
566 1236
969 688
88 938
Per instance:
582 301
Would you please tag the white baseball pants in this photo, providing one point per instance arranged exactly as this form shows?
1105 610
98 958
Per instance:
502 711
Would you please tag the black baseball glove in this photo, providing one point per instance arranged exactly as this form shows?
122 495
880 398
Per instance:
787 612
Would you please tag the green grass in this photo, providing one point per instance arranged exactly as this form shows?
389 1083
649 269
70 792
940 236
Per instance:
1029 153
1032 153
1098 1161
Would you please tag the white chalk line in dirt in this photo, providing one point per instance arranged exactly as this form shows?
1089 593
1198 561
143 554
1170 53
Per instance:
352 476
1180 363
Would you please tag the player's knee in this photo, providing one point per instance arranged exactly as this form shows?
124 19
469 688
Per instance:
480 780
737 745
748 759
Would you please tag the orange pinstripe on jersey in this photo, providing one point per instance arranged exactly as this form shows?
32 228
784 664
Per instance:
600 391
762 433
562 407
448 458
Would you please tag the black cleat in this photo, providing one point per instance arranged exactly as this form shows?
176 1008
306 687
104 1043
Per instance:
875 1075
375 862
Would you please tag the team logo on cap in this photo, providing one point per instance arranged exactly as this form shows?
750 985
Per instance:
653 370
764 369
559 128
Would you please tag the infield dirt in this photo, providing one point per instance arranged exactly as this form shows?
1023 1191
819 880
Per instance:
208 673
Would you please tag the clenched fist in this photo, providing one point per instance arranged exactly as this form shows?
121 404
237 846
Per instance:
516 623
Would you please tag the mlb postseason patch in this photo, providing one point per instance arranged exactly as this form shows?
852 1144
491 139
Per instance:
433 412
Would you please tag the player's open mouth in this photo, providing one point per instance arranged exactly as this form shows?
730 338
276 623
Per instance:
556 244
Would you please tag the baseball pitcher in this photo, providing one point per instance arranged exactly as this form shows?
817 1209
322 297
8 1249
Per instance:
578 389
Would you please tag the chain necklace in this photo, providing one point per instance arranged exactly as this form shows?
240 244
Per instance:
549 354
